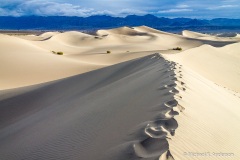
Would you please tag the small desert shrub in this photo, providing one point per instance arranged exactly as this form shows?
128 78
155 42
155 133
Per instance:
59 53
108 52
177 48
96 37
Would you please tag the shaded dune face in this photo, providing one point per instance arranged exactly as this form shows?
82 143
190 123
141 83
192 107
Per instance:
117 112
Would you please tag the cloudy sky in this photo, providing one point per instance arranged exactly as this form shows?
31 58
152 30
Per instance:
205 9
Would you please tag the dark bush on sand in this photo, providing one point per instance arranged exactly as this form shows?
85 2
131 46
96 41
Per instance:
177 48
58 53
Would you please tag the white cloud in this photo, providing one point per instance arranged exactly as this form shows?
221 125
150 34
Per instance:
119 13
121 8
182 6
222 7
45 8
52 8
6 12
175 10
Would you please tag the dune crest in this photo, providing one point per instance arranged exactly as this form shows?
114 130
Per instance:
192 34
41 37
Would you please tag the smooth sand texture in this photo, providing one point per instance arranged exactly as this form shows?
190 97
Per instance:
221 65
201 36
186 102
209 122
24 64
112 113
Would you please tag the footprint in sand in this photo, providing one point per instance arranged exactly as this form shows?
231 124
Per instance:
151 148
171 104
174 91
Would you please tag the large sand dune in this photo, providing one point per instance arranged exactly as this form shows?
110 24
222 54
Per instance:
127 104
23 64
214 63
208 37
74 117
41 37
208 127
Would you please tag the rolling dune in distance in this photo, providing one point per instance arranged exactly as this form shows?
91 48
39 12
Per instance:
82 52
122 93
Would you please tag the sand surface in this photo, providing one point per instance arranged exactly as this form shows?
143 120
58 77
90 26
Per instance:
143 100
214 63
24 60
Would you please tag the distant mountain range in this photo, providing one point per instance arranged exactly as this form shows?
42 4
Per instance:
96 22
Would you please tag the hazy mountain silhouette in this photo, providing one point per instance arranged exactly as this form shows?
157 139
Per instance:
104 21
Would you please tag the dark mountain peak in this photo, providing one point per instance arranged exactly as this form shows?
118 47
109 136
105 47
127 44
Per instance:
131 16
150 16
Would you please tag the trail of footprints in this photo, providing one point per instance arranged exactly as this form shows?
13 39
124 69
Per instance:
156 146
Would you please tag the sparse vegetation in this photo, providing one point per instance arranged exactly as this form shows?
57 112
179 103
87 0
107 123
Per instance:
177 48
108 52
96 37
58 53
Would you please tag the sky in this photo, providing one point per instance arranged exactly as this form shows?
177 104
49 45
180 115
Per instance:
201 9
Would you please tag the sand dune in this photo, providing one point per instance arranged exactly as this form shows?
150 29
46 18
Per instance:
123 31
152 30
192 34
214 63
73 38
26 64
166 106
208 127
48 34
121 40
68 119
232 49
126 35
41 37
83 52
201 36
